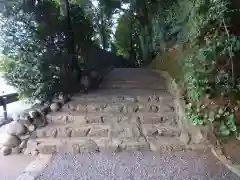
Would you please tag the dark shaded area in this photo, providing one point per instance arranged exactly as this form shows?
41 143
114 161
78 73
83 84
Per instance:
100 59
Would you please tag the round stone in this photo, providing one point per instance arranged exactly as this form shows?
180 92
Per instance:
16 128
55 107
40 121
64 98
89 146
22 118
45 109
5 150
34 114
11 141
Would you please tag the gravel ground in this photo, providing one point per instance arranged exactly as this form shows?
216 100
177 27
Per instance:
137 166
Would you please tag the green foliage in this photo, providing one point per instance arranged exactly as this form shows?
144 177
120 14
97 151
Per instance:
123 36
210 80
36 42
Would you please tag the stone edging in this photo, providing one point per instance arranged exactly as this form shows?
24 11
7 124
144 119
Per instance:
35 168
192 135
223 159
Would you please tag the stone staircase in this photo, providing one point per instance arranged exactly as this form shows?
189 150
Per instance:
130 111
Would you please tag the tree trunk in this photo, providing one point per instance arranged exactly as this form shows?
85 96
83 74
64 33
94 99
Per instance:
73 63
102 29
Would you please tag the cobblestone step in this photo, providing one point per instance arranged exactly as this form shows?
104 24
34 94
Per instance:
133 85
73 130
96 144
111 118
79 145
141 96
165 144
117 107
126 129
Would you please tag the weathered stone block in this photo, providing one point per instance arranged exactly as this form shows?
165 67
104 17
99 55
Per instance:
81 108
124 119
16 150
47 149
149 130
136 144
108 145
130 98
64 132
68 148
168 131
41 133
93 108
125 132
89 146
165 144
153 119
136 107
114 108
184 138
154 98
98 132
51 132
94 119
117 99
80 131
143 99
58 118
153 108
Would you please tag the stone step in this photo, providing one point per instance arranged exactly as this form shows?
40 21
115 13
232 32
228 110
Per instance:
116 95
117 107
121 130
133 85
73 130
110 118
96 144
82 145
165 144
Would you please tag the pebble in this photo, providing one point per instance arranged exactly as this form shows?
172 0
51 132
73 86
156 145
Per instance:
55 107
16 128
11 141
